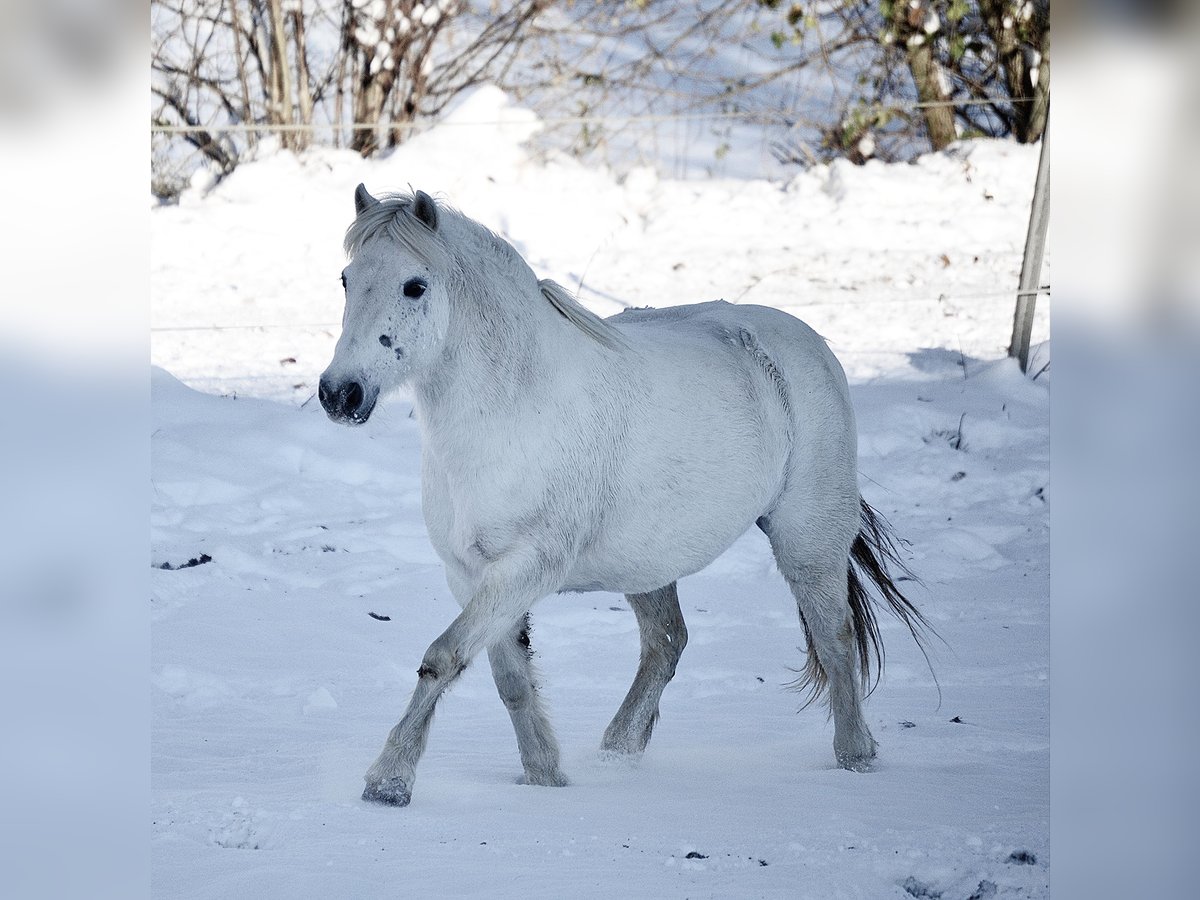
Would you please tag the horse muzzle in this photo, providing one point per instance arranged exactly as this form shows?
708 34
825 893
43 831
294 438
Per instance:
348 402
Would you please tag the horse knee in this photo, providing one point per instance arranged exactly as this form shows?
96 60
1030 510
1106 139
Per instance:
443 661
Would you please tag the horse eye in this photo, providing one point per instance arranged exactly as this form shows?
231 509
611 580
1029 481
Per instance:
414 288
343 281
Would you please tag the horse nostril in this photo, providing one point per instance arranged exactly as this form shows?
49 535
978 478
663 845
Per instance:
345 400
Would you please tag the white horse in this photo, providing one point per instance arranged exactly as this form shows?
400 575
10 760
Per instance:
564 452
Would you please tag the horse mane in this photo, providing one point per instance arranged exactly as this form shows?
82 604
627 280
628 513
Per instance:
580 316
393 216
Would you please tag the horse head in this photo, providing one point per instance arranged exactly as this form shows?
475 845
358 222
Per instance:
397 302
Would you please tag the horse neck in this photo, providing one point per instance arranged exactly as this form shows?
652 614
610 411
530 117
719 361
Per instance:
505 345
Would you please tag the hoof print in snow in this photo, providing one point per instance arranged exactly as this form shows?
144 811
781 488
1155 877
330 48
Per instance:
1022 858
191 563
951 436
985 891
237 831
919 889
390 793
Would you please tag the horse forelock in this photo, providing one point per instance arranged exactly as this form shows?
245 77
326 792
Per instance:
392 216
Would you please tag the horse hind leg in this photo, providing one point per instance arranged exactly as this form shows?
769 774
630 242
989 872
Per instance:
663 637
820 585
512 669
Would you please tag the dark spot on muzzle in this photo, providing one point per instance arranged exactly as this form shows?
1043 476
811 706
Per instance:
346 401
385 340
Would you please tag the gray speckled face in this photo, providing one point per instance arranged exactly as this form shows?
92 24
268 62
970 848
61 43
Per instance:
394 324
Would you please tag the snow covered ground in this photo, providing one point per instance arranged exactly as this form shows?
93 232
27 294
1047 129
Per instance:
274 685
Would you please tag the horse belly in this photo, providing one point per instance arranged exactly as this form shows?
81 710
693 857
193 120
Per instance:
707 457
657 552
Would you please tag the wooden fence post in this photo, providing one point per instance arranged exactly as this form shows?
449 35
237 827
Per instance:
1031 265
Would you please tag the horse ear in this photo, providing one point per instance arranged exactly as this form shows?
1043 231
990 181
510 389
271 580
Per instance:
425 210
362 199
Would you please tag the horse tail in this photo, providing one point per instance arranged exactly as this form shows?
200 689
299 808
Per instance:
872 557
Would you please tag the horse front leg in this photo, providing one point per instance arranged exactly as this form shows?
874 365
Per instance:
390 779
504 594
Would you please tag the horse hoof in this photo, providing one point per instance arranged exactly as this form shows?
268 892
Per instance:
393 792
622 747
544 779
856 763
628 759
